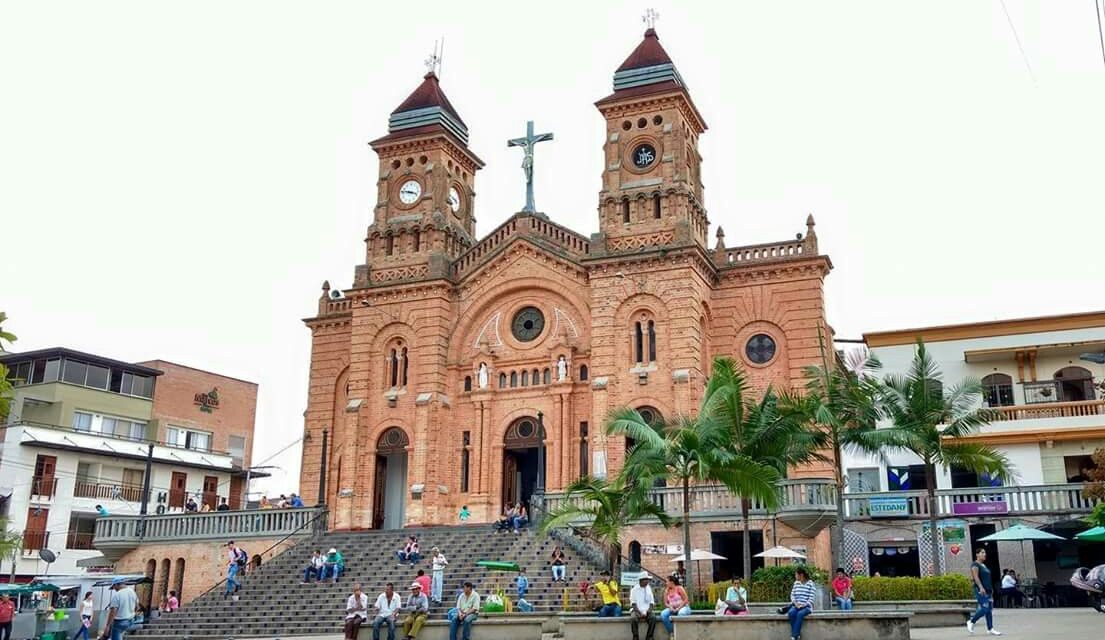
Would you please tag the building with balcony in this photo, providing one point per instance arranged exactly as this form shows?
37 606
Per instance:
83 430
1043 378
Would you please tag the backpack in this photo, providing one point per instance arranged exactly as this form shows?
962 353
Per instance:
243 557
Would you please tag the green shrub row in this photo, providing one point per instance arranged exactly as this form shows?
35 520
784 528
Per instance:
773 584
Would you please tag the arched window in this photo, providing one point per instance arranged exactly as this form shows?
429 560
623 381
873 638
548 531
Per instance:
625 211
635 552
178 578
525 378
546 376
513 378
656 206
535 375
467 383
651 341
583 372
417 240
393 368
638 342
1075 384
389 246
163 588
502 380
404 368
997 390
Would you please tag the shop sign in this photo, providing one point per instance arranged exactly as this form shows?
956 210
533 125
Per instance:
207 402
980 508
888 507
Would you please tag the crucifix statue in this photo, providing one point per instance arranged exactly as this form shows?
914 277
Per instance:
650 17
527 162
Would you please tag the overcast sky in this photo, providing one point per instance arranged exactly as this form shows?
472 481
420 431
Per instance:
176 180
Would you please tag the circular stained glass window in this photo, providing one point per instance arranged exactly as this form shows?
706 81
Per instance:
760 348
525 429
527 324
644 155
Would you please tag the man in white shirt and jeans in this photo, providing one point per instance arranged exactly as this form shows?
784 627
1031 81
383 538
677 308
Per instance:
388 605
641 603
356 612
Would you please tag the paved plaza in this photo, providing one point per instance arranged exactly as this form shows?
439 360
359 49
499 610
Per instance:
1069 624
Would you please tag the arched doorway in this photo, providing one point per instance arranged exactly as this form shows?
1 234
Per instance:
1075 384
523 460
390 487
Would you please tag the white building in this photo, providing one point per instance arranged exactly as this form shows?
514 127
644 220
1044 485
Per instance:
1043 376
78 435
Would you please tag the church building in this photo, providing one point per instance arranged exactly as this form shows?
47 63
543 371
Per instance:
466 370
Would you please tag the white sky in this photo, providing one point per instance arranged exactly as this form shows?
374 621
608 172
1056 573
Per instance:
177 179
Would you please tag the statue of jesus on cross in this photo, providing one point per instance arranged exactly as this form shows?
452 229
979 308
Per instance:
527 162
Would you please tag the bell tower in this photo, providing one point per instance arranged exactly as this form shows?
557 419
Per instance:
651 182
424 215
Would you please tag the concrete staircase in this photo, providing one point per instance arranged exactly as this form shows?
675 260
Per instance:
274 603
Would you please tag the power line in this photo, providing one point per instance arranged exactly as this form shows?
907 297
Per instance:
1017 37
1098 9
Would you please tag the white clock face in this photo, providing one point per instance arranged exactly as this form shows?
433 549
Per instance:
410 192
454 199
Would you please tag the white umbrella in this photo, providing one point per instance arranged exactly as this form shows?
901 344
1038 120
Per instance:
780 552
696 556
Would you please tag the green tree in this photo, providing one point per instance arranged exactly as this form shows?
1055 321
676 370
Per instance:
1095 485
770 431
608 507
6 389
842 401
698 449
931 421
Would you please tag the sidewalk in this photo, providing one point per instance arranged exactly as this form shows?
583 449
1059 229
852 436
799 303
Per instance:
1072 624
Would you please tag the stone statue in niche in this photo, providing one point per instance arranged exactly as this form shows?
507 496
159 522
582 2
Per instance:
482 375
561 369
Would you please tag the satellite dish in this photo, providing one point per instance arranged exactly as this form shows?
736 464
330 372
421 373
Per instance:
49 557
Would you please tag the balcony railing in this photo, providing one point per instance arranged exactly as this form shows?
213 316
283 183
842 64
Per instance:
1050 410
714 500
79 540
1034 499
106 491
123 531
44 487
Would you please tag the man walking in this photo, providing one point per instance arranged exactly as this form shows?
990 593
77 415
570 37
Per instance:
356 612
465 613
120 610
417 608
232 568
641 603
388 605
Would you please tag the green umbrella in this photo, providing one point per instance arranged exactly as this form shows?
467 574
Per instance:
1097 534
1020 533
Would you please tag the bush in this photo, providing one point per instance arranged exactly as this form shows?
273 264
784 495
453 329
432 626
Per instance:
773 584
949 587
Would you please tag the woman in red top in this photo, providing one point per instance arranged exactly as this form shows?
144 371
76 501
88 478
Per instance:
7 611
842 590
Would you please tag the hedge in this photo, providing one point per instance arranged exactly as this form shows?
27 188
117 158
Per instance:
950 587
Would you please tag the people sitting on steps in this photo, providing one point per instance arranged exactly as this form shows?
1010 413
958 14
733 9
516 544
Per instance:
736 598
333 565
410 552
842 590
642 605
465 613
423 581
676 603
557 565
507 521
521 518
388 605
315 567
416 610
356 612
802 594
607 587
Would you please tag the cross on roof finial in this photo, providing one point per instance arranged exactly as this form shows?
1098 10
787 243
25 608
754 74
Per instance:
650 17
433 63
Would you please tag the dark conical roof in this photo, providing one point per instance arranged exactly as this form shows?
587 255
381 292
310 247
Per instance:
647 54
427 95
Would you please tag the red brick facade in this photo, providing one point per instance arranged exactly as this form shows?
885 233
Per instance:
175 404
446 303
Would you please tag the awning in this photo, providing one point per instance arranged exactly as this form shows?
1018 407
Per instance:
95 561
1071 349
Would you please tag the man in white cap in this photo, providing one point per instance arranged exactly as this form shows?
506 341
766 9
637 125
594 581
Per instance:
417 609
333 565
120 610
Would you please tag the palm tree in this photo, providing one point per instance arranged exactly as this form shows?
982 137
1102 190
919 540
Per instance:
6 387
698 449
930 421
842 400
768 431
608 507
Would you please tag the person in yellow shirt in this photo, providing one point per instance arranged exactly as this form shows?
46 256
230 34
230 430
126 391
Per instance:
611 599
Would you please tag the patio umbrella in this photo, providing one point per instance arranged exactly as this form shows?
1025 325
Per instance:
1097 534
1020 533
698 555
781 552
